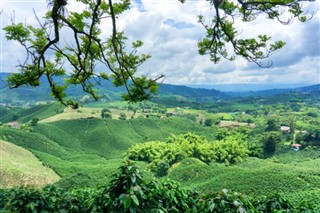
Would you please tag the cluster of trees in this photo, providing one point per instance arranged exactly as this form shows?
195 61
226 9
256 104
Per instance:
161 155
310 138
106 113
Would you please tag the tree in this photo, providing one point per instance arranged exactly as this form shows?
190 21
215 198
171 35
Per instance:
90 49
292 123
34 121
222 133
208 122
269 142
271 125
122 116
106 113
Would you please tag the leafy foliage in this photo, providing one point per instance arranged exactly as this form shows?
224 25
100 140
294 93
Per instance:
87 50
161 155
223 36
131 192
106 113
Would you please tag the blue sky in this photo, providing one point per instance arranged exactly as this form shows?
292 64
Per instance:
170 32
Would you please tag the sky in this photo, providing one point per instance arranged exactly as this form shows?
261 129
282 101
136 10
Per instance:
170 33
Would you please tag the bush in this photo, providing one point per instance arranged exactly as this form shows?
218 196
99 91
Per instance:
161 155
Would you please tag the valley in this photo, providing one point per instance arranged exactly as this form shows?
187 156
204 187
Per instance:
208 146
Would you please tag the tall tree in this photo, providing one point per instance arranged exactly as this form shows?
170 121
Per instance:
269 141
272 125
90 49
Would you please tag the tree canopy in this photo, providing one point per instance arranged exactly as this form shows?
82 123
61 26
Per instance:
92 56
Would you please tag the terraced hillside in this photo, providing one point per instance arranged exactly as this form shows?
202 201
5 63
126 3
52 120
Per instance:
88 151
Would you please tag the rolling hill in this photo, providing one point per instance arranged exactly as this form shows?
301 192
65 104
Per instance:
88 151
19 167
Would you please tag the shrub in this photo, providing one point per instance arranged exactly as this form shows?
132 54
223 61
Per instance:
161 155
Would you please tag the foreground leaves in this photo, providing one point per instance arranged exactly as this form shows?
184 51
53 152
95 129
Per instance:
130 192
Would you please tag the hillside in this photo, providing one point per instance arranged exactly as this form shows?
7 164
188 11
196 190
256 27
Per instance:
19 167
108 92
252 177
27 113
88 151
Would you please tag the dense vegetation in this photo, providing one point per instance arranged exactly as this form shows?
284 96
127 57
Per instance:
237 146
129 191
262 146
162 155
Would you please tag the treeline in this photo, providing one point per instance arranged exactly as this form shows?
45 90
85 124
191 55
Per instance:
131 192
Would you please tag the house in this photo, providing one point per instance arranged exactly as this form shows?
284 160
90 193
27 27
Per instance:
285 129
14 125
171 114
295 147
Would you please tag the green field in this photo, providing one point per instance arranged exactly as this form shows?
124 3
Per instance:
84 150
26 114
19 167
88 151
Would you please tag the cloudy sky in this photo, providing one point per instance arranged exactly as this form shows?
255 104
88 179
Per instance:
170 32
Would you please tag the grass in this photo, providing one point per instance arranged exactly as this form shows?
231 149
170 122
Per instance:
20 167
89 112
230 124
116 104
71 114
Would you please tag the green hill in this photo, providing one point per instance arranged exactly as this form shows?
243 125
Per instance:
255 177
21 167
88 151
26 114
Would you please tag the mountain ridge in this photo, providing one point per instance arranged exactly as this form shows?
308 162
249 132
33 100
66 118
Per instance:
111 93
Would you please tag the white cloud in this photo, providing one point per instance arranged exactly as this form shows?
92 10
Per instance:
170 32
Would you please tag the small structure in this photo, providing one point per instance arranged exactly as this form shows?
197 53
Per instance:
171 114
14 125
285 129
295 147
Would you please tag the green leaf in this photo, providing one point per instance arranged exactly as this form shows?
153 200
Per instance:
135 200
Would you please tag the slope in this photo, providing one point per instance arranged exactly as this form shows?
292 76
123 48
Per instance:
88 151
26 114
20 167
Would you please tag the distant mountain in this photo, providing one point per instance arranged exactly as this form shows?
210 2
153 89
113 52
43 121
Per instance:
192 93
106 90
168 94
28 94
248 87
263 93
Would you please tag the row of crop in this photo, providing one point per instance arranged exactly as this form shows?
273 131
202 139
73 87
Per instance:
130 192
